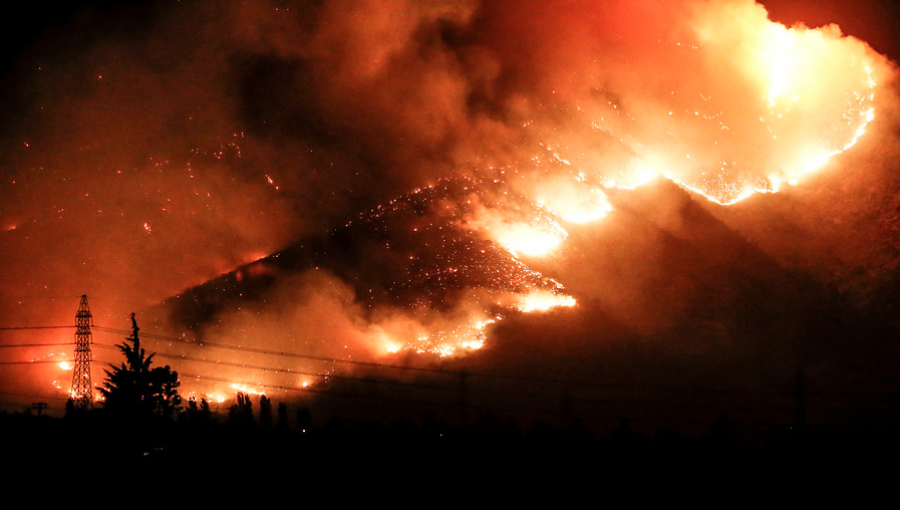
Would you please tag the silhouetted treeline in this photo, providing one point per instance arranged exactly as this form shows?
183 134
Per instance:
310 445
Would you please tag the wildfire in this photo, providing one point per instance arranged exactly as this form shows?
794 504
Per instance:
572 200
742 105
447 337
783 102
217 398
753 106
542 301
243 388
809 95
533 239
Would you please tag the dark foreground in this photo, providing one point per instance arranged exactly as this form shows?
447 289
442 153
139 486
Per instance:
427 449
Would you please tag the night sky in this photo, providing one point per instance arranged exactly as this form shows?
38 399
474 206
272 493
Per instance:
351 178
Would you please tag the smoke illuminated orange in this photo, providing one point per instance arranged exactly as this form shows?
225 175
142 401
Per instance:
507 152
776 104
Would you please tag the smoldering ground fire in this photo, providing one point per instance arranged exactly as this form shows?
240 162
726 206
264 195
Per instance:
461 158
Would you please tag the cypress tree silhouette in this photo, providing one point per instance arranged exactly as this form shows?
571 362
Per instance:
133 388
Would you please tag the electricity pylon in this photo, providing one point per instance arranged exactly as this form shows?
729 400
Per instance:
82 392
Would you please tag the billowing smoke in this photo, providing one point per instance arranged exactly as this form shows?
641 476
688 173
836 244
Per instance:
430 167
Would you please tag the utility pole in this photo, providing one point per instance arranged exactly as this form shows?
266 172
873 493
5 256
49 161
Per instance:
82 392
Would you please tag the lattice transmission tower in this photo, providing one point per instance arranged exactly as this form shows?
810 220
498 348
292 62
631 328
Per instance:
82 392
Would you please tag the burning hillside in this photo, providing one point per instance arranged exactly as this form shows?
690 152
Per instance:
482 161
427 255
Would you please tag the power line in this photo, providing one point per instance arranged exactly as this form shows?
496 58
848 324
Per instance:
34 395
279 370
8 346
371 364
36 361
550 396
281 353
17 328
288 371
366 380
455 373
